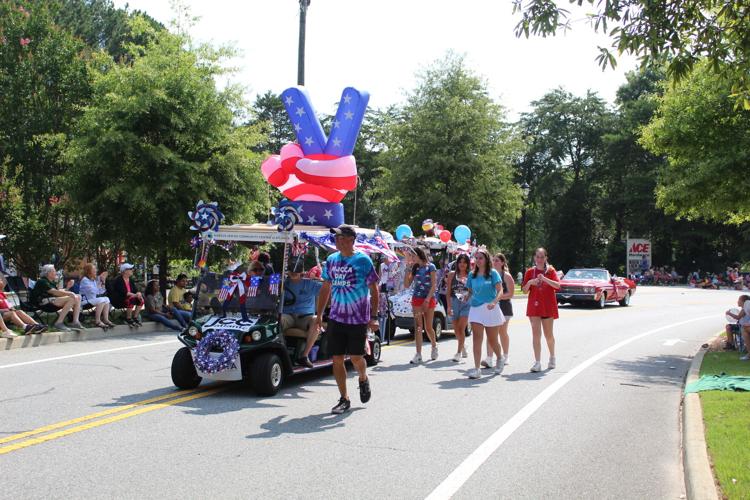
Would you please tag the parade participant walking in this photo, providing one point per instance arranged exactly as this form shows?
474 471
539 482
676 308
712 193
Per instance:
500 263
424 275
458 305
485 290
349 277
541 282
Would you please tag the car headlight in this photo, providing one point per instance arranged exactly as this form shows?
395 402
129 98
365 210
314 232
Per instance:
256 335
193 331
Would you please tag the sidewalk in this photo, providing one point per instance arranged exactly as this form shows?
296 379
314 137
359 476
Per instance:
48 338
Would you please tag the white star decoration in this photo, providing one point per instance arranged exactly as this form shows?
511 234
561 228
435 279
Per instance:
289 100
347 98
300 111
349 115
308 141
337 142
297 127
327 214
336 124
311 220
299 209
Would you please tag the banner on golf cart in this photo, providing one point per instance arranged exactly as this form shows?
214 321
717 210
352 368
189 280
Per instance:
638 249
373 245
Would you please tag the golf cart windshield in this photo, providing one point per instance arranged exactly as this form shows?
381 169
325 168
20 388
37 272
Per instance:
214 295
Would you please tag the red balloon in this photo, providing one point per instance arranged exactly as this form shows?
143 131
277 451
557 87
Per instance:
445 236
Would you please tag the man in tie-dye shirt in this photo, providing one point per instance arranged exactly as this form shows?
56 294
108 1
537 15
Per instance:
350 281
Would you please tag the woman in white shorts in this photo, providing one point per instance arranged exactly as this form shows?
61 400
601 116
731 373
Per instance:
92 292
485 289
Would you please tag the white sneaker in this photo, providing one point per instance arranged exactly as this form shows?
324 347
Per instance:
457 357
551 364
434 353
505 360
499 366
463 353
537 367
7 334
474 373
746 357
486 362
416 359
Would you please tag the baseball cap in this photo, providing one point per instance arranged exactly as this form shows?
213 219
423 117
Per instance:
124 267
344 230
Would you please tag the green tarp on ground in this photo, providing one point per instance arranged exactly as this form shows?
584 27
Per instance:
719 383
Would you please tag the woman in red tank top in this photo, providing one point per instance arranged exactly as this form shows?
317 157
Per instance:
540 283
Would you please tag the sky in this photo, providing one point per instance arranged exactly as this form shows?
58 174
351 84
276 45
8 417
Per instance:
380 46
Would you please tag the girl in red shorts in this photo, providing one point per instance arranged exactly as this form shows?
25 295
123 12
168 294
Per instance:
541 283
424 276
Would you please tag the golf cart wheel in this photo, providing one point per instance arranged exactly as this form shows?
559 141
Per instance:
184 375
267 374
602 301
391 328
374 357
437 327
625 302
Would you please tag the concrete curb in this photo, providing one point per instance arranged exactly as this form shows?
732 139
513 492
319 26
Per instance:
699 478
48 338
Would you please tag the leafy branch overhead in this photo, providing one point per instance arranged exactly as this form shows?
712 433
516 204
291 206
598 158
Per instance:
680 33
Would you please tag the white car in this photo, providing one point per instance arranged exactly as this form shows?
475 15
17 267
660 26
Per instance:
402 315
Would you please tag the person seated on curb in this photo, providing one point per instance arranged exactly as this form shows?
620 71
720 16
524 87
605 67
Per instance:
743 318
301 313
125 295
46 296
155 308
94 292
16 316
180 309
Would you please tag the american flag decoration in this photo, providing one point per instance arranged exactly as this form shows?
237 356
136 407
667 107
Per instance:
299 248
274 284
226 289
252 291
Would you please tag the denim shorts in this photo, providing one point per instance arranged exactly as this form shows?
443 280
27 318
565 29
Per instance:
460 309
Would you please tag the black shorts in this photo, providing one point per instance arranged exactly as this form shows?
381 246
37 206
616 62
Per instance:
346 339
735 328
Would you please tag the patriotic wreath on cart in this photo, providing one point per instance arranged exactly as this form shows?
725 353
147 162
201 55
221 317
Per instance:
217 339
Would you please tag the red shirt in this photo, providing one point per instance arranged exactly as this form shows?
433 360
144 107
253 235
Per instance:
542 299
4 302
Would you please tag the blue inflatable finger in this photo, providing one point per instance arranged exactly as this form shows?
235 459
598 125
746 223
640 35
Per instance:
307 127
347 122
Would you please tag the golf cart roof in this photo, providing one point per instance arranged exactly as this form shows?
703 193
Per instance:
264 233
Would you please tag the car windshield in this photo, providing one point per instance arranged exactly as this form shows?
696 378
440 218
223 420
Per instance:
214 289
587 274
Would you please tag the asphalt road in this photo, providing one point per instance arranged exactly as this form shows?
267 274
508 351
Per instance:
604 424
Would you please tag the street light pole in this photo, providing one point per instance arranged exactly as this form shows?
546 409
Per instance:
525 190
303 5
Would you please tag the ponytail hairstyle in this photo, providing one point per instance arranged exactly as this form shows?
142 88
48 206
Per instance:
501 256
421 255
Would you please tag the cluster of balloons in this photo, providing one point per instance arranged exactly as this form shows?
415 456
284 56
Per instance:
462 234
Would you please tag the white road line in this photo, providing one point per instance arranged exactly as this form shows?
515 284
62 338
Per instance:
45 360
471 464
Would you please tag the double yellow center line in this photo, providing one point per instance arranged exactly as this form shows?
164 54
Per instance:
39 435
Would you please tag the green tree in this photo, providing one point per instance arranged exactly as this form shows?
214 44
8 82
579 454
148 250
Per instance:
705 141
449 158
157 137
681 33
564 133
270 115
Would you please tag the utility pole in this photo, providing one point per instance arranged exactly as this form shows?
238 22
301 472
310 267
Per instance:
303 5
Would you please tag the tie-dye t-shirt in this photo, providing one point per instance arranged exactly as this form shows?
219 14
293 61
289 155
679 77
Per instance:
350 295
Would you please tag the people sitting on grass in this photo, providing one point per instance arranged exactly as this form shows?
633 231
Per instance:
46 296
300 313
15 316
180 309
125 295
93 292
155 308
742 326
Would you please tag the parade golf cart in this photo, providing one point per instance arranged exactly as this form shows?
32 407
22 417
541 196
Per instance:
244 316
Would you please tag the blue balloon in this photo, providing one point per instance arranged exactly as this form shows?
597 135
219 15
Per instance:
462 234
403 231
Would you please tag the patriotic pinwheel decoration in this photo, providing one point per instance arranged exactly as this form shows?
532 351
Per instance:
206 217
286 216
317 171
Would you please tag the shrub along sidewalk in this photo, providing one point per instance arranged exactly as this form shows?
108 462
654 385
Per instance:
726 415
